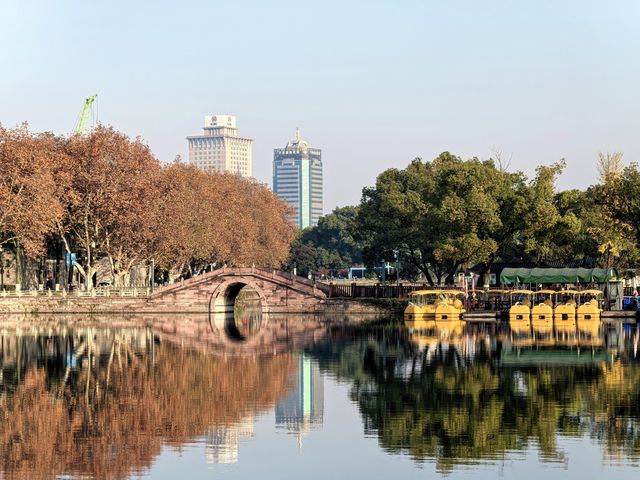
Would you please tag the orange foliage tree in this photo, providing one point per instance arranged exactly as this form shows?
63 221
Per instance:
114 183
209 217
104 195
29 188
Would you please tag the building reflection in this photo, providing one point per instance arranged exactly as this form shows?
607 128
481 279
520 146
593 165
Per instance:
223 441
302 409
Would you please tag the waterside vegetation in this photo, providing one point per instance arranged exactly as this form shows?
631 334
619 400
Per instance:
449 215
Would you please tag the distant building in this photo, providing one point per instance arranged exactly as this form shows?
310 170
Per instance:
297 178
220 149
303 409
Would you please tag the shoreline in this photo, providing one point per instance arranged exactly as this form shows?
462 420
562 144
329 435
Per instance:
137 305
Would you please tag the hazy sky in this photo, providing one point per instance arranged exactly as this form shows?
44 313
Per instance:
372 83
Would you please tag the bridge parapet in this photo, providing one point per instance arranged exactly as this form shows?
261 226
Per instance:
278 290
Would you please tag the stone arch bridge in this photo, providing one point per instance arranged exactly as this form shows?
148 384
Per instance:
216 291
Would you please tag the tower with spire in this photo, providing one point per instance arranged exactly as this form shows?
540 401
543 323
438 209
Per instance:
297 179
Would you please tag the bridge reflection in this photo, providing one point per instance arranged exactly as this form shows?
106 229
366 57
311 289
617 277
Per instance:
86 400
101 397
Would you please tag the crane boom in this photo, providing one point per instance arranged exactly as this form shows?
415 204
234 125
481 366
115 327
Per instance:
85 114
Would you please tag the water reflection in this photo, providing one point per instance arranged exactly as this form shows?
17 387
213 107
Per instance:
246 319
303 408
102 402
85 400
223 441
470 394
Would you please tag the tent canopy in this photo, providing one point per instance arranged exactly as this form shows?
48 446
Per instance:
557 275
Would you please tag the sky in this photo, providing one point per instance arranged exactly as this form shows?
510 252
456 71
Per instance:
372 83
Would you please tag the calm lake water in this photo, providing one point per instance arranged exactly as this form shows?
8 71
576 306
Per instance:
80 399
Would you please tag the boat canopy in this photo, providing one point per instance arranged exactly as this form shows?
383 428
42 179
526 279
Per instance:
438 292
592 292
521 292
546 292
557 275
568 292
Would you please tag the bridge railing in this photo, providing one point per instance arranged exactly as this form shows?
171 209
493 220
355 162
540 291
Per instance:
354 290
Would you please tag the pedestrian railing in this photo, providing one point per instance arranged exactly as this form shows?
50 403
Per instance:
354 290
131 292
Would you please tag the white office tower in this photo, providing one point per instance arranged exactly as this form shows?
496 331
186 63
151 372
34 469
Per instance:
220 149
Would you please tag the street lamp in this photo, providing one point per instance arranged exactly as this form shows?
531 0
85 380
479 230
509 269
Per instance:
396 254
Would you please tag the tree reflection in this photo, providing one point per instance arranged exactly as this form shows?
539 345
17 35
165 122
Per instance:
453 402
102 403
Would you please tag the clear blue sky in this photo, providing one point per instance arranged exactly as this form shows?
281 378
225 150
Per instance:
372 83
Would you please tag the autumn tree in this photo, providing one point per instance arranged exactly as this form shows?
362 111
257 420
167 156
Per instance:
273 231
29 185
204 218
108 208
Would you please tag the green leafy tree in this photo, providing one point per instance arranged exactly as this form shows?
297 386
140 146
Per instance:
329 245
441 215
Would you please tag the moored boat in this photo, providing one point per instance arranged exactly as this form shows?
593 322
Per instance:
542 310
520 304
589 308
564 313
428 306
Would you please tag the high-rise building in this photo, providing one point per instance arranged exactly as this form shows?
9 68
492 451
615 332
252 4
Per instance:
297 178
220 149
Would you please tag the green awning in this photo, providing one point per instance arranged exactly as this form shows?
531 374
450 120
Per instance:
557 275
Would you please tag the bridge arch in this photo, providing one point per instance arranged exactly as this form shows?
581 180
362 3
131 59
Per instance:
223 297
222 315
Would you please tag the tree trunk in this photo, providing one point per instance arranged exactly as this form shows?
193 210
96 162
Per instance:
88 279
18 265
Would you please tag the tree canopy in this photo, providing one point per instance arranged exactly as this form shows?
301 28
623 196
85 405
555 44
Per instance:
441 215
449 214
330 245
106 196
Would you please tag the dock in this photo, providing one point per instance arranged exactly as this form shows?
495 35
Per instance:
609 316
481 316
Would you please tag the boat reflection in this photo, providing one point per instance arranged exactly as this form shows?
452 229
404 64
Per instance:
481 393
540 332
